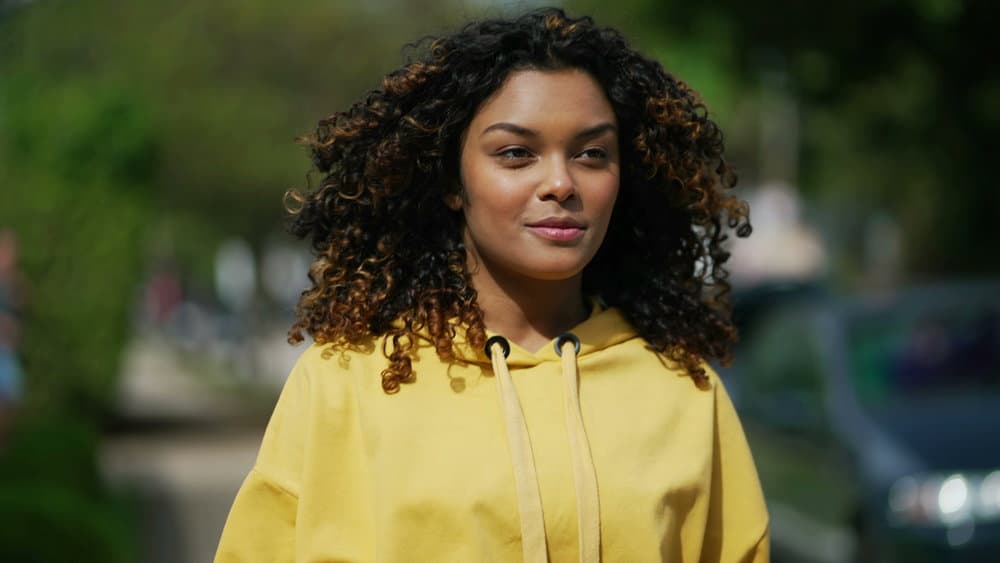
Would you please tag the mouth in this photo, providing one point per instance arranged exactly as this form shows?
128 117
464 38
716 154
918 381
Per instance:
558 229
558 223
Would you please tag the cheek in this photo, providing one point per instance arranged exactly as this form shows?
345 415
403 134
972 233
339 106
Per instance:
492 193
606 198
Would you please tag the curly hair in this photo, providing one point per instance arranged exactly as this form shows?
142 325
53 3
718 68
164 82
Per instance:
390 258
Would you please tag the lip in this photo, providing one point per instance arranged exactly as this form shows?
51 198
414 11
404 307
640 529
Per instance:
557 233
557 228
558 223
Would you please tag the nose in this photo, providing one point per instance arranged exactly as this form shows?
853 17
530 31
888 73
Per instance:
558 183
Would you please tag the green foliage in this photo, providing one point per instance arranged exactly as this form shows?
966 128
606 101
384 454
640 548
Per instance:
78 156
111 109
78 161
229 85
897 103
53 506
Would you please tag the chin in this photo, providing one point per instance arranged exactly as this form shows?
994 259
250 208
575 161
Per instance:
554 276
553 270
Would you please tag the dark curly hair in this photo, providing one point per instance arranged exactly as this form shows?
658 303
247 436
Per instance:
390 260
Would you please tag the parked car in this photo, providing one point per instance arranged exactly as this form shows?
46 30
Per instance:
875 424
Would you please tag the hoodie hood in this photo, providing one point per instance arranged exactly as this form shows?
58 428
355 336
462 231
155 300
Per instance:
604 328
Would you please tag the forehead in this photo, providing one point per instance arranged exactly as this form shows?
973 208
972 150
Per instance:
540 97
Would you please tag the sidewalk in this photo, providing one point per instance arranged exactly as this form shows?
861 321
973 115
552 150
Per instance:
185 483
188 439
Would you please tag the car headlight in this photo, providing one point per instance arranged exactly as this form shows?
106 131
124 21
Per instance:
945 500
989 497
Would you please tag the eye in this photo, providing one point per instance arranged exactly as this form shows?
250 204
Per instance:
594 153
514 153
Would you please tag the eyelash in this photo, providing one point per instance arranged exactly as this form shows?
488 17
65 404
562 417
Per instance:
601 153
508 154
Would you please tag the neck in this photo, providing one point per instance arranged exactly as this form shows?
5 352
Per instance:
528 312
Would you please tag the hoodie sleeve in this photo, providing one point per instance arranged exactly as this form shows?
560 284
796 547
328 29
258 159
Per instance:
261 522
737 528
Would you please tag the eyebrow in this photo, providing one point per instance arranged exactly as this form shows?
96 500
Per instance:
525 132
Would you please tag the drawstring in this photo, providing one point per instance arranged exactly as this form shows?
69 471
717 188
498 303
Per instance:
529 498
584 476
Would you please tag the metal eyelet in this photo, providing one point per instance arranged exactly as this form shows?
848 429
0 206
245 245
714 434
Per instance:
503 344
563 338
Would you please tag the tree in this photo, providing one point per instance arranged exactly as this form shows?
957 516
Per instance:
899 106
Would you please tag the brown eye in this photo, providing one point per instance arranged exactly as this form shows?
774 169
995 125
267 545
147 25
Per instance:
514 153
594 154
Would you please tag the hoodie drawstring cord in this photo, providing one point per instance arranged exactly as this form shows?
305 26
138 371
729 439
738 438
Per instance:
529 498
584 476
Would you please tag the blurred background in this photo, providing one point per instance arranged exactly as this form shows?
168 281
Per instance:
146 284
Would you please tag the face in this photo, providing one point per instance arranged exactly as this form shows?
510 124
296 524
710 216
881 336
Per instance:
540 172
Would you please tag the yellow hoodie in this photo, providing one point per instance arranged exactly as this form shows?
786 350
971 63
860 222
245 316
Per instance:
604 453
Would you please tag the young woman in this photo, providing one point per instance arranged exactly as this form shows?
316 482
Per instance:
518 280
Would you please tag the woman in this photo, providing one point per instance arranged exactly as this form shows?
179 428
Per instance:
518 280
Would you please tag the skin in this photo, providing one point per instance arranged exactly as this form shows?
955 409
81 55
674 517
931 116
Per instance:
544 146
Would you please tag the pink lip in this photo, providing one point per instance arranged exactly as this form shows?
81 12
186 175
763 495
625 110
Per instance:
557 223
557 233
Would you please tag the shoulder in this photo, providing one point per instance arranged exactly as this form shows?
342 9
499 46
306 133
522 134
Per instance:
665 366
337 357
334 370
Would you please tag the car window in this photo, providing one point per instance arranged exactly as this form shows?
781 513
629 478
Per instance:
917 349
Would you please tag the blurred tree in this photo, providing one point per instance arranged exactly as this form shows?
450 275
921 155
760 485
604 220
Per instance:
229 85
78 156
77 164
898 101
54 507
